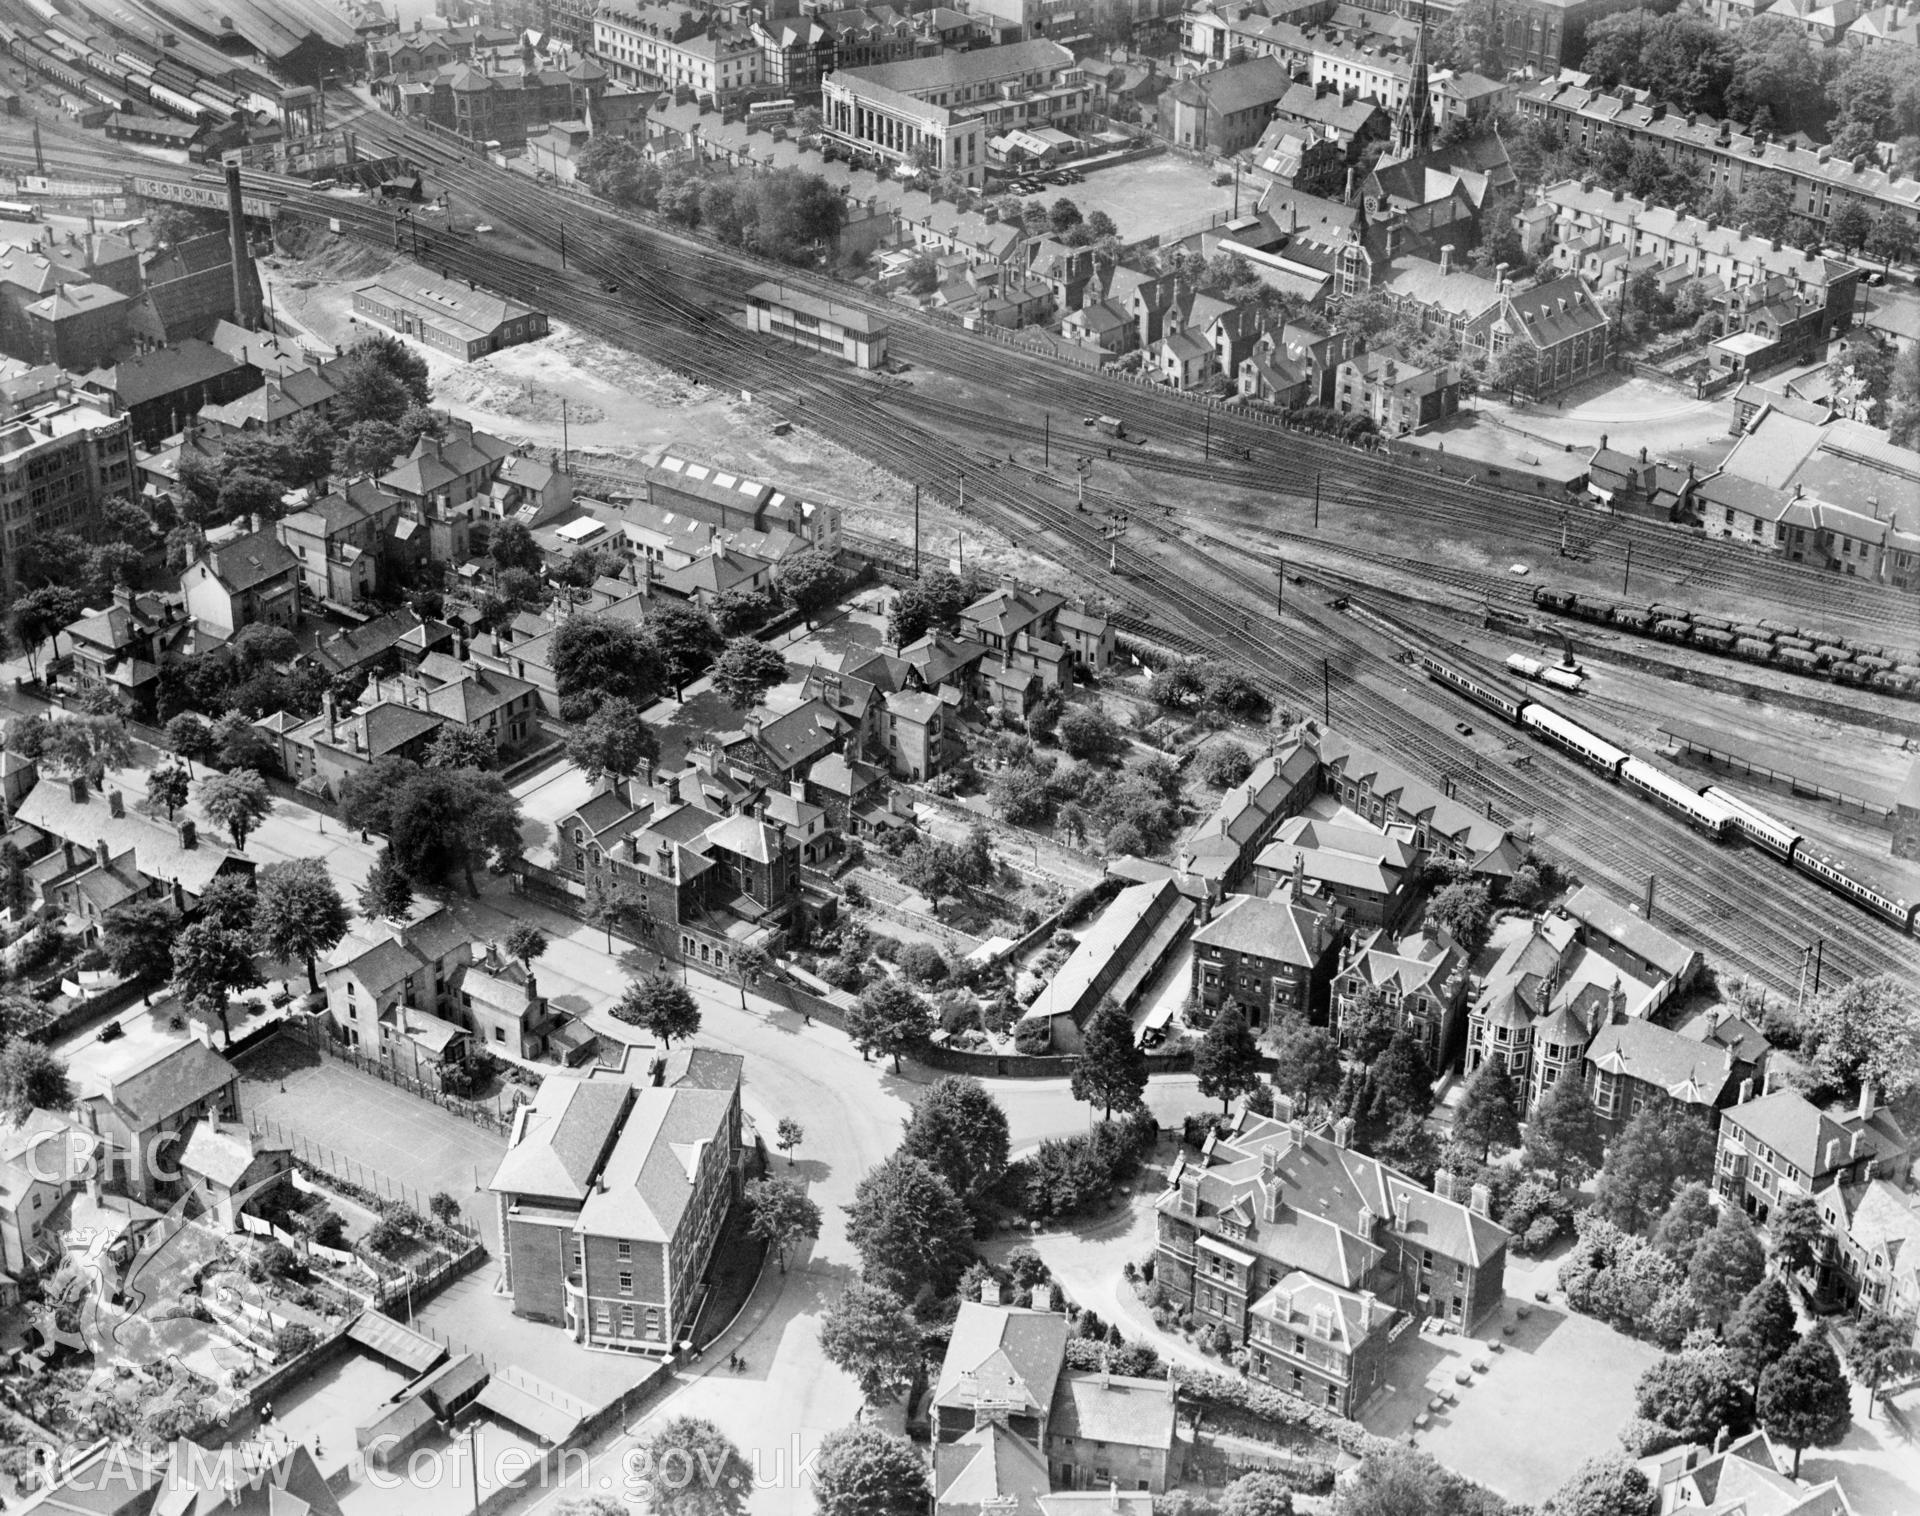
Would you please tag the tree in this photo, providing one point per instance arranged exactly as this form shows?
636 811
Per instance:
16 884
1563 1132
1464 909
1766 205
810 581
1762 1328
684 640
447 822
1487 1117
31 1078
1257 1494
1881 1349
1306 1062
870 1333
1063 216
229 902
1227 1059
1088 733
1727 1263
88 746
511 546
658 1005
611 904
1852 224
1401 1481
1867 1029
299 913
615 739
912 1231
138 938
41 615
1512 369
788 1136
1690 1218
688 1467
1111 1068
745 670
596 659
862 1471
388 893
210 962
781 1215
1226 765
1368 1024
369 448
1610 1485
238 801
461 747
167 788
1803 1399
1400 1087
1693 1394
1891 239
1661 1147
526 943
384 353
889 1018
959 1131
191 736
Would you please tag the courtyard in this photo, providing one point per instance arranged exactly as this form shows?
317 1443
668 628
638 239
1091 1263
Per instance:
1150 197
374 1126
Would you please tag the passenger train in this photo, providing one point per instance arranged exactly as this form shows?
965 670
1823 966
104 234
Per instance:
1711 809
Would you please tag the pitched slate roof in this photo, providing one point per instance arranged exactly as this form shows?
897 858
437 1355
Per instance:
648 1181
987 1467
1633 932
1693 1073
180 1077
1114 1408
1794 1127
1271 928
248 562
1002 1354
559 1139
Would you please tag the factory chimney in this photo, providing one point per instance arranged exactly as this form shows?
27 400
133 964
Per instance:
246 310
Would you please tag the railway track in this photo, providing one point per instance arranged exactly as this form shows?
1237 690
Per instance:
1733 907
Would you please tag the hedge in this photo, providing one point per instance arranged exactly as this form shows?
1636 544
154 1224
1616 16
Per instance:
1258 1404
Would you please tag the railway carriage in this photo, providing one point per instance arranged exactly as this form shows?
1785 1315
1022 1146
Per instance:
1837 877
1712 623
1634 619
1714 639
1493 696
1669 629
1557 601
1832 652
1574 737
1702 811
1670 612
1781 628
1776 837
1802 660
1753 649
1752 633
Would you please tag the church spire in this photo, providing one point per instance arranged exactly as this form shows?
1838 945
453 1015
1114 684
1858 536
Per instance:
1414 130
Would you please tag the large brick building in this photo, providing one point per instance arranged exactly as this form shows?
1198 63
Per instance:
611 1198
1308 1251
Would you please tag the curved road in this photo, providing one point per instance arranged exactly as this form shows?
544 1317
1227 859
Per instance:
852 1111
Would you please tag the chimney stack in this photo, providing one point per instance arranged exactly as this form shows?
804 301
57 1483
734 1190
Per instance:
1869 1100
100 853
245 310
116 803
1480 1200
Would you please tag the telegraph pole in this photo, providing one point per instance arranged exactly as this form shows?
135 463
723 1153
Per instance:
1280 589
1316 500
1046 439
916 531
1627 578
1819 961
1206 438
1652 880
1326 692
563 246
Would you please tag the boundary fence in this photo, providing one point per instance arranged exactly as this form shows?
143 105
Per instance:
498 1119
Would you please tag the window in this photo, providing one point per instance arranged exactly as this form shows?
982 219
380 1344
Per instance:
626 1281
624 1251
